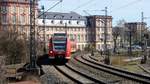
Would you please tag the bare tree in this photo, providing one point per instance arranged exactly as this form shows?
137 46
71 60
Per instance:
120 24
2 70
116 34
13 47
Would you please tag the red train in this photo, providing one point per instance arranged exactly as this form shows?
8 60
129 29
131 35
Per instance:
60 46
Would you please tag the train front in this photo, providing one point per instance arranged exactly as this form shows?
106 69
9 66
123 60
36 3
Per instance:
59 47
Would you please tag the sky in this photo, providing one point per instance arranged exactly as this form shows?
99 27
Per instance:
129 10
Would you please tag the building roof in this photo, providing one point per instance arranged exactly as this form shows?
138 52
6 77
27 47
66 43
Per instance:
17 1
99 16
135 23
63 16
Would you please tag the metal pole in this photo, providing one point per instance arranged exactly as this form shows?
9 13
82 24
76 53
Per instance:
32 65
106 52
105 32
142 20
44 42
66 28
130 49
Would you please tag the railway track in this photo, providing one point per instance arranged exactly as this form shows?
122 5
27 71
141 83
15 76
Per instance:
96 74
54 76
83 70
69 72
74 75
125 76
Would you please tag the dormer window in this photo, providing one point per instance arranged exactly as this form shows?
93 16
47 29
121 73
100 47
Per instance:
62 17
71 17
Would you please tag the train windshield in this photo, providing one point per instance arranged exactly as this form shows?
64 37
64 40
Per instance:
60 35
59 44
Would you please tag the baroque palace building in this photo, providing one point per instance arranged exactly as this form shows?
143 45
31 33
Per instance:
85 30
15 16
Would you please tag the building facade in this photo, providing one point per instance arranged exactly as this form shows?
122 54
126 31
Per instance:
96 28
15 16
85 31
137 30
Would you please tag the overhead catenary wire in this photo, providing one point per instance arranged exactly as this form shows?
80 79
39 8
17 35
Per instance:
126 5
50 8
84 4
121 7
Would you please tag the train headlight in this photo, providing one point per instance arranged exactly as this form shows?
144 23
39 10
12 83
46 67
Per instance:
51 51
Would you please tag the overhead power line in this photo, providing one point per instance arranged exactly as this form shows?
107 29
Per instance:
50 8
84 4
127 5
85 11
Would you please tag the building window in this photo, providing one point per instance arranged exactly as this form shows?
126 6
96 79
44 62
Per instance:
51 29
57 29
86 37
22 19
47 29
71 36
47 35
109 37
4 19
4 9
24 10
21 10
69 22
78 22
14 19
82 47
78 46
75 37
82 37
75 29
14 28
52 21
14 9
61 22
102 29
5 28
78 37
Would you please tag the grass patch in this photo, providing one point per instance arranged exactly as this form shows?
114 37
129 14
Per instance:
130 65
133 68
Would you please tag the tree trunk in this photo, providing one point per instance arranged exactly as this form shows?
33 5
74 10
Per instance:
2 70
115 46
